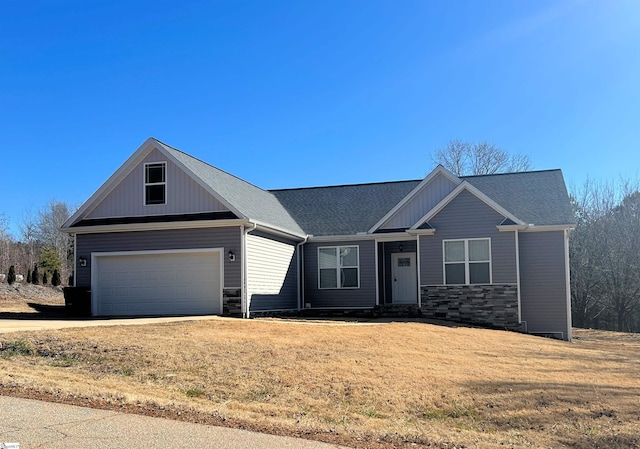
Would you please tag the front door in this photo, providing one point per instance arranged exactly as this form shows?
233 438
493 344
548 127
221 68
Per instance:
404 278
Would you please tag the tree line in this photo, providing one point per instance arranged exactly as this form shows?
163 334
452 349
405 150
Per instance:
41 254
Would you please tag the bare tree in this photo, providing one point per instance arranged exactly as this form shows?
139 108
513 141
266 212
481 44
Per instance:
29 235
464 158
50 218
5 243
605 256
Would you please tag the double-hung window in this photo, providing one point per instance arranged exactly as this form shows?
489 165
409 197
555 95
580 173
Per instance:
155 183
338 267
467 261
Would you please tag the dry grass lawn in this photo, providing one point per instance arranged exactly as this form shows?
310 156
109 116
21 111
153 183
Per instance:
363 385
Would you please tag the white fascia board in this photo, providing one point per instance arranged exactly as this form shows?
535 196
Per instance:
167 152
421 231
511 228
547 228
395 237
384 237
436 171
133 227
276 230
341 238
465 185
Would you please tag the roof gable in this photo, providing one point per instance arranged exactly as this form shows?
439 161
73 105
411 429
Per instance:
537 197
184 194
433 188
241 198
462 187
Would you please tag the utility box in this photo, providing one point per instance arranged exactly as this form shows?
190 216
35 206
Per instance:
77 301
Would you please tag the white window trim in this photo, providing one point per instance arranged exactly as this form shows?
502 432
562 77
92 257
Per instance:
338 267
145 183
466 260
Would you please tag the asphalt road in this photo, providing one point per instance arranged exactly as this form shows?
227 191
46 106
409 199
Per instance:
38 424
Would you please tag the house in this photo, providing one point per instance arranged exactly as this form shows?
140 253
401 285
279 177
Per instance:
170 234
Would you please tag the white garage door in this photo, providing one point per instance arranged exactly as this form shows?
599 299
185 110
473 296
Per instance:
157 283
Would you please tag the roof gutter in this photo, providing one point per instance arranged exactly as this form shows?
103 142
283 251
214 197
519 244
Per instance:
533 228
299 272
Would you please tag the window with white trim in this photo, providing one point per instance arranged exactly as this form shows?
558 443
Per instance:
467 261
155 183
338 267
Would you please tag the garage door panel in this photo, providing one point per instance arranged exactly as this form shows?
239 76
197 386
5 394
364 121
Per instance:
158 284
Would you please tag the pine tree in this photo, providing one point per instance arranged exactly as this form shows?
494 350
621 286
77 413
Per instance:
29 276
45 278
11 277
35 277
55 280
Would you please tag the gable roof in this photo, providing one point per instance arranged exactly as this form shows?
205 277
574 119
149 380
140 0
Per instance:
439 170
250 201
465 185
535 197
242 198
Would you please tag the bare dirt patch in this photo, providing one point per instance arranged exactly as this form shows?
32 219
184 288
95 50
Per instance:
382 385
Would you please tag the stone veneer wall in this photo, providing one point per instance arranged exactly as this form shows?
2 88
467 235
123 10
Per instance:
493 305
232 302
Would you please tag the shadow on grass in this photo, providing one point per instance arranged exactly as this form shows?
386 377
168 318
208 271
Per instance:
41 312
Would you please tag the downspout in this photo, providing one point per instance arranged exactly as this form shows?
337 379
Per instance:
244 298
418 275
300 272
567 273
519 295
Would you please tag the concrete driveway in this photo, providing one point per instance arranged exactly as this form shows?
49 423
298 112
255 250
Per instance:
37 424
40 323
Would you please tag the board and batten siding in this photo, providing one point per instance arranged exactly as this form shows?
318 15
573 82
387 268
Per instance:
365 296
272 273
184 195
467 217
421 203
543 282
227 238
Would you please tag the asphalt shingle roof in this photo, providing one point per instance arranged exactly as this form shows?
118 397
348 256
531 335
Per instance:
538 197
251 201
342 210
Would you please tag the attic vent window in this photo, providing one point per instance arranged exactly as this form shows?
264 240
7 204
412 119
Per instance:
155 183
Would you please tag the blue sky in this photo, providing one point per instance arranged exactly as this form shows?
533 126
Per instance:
302 93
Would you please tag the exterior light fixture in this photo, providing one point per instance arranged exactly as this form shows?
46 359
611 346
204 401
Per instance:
401 247
232 257
82 261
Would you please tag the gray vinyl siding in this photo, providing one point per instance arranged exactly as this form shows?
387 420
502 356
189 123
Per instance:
365 296
389 248
467 217
184 195
227 238
543 280
424 201
272 273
